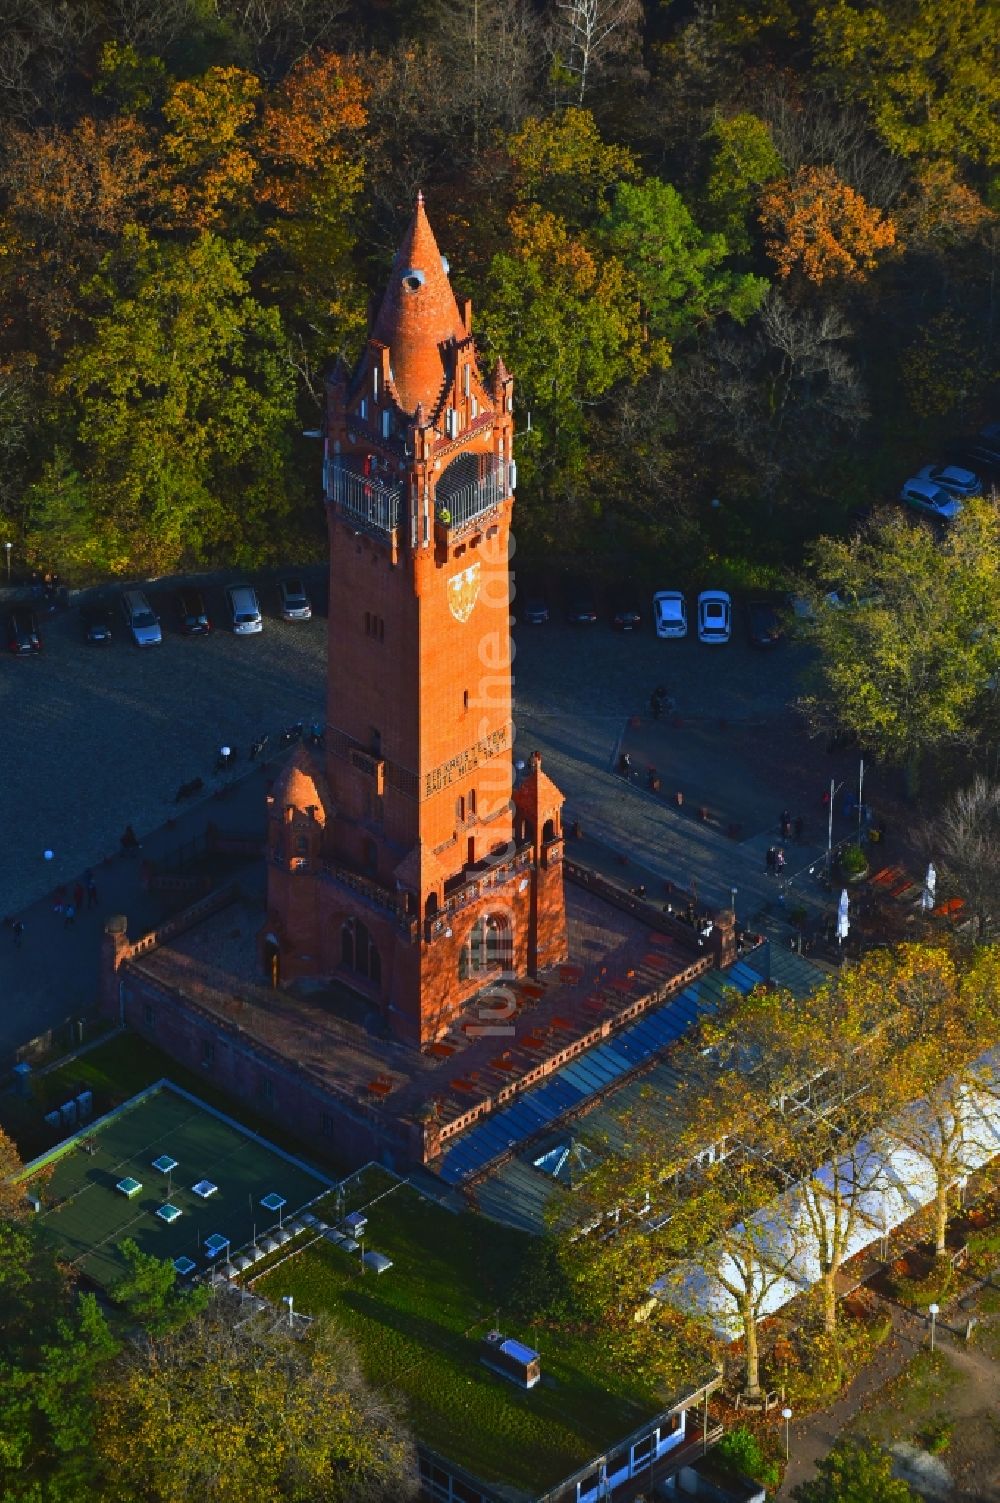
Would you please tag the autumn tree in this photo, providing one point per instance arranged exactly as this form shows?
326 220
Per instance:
906 666
927 72
942 1066
816 224
566 318
562 164
248 1414
208 163
311 150
964 841
69 195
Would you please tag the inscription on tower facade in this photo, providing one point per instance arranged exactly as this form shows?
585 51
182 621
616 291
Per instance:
466 761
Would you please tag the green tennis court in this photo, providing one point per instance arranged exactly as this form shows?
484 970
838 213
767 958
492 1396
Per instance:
166 1151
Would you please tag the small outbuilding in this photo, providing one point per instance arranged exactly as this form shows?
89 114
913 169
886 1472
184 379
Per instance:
511 1360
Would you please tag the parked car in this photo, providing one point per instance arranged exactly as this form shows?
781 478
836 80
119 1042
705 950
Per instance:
23 636
715 616
626 613
295 604
979 454
95 619
534 605
764 624
930 499
192 614
670 615
581 607
951 478
140 618
244 609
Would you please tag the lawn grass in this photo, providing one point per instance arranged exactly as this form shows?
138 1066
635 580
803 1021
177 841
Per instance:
127 1064
418 1327
916 1398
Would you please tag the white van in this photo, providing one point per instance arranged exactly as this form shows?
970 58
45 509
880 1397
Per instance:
140 619
244 609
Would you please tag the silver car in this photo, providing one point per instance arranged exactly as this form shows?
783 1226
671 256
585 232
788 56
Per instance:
244 609
295 604
141 619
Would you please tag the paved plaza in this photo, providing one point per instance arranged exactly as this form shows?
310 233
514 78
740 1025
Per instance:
99 738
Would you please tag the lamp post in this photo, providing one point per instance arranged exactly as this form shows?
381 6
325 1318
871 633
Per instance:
932 1311
732 899
786 1415
8 547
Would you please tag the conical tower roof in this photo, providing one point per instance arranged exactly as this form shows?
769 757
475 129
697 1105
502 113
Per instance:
418 315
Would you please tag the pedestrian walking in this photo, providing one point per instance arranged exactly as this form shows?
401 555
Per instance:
129 842
91 884
786 824
78 897
779 860
771 859
18 928
69 916
59 898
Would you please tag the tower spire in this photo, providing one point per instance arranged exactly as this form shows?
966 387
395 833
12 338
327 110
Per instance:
418 318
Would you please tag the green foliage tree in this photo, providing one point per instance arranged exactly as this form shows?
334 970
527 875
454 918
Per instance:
54 1346
740 1453
149 1292
679 271
183 397
744 160
906 665
567 319
854 1473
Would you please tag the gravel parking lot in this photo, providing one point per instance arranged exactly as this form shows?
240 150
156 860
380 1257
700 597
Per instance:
97 737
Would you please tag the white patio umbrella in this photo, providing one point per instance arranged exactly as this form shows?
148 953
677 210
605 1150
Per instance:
930 883
843 922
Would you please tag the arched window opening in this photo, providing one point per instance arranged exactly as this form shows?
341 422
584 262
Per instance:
548 831
490 945
358 952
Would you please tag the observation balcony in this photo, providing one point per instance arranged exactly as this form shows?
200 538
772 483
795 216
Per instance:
369 504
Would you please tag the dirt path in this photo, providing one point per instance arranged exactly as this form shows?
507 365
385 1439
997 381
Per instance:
811 1438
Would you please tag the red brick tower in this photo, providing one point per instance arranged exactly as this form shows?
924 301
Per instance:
417 878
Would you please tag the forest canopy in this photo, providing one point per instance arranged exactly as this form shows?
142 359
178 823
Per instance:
747 255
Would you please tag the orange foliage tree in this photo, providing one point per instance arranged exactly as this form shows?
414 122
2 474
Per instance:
814 222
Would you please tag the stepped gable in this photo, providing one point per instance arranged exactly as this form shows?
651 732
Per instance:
419 317
537 798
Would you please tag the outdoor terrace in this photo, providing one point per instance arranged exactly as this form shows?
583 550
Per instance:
493 1050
